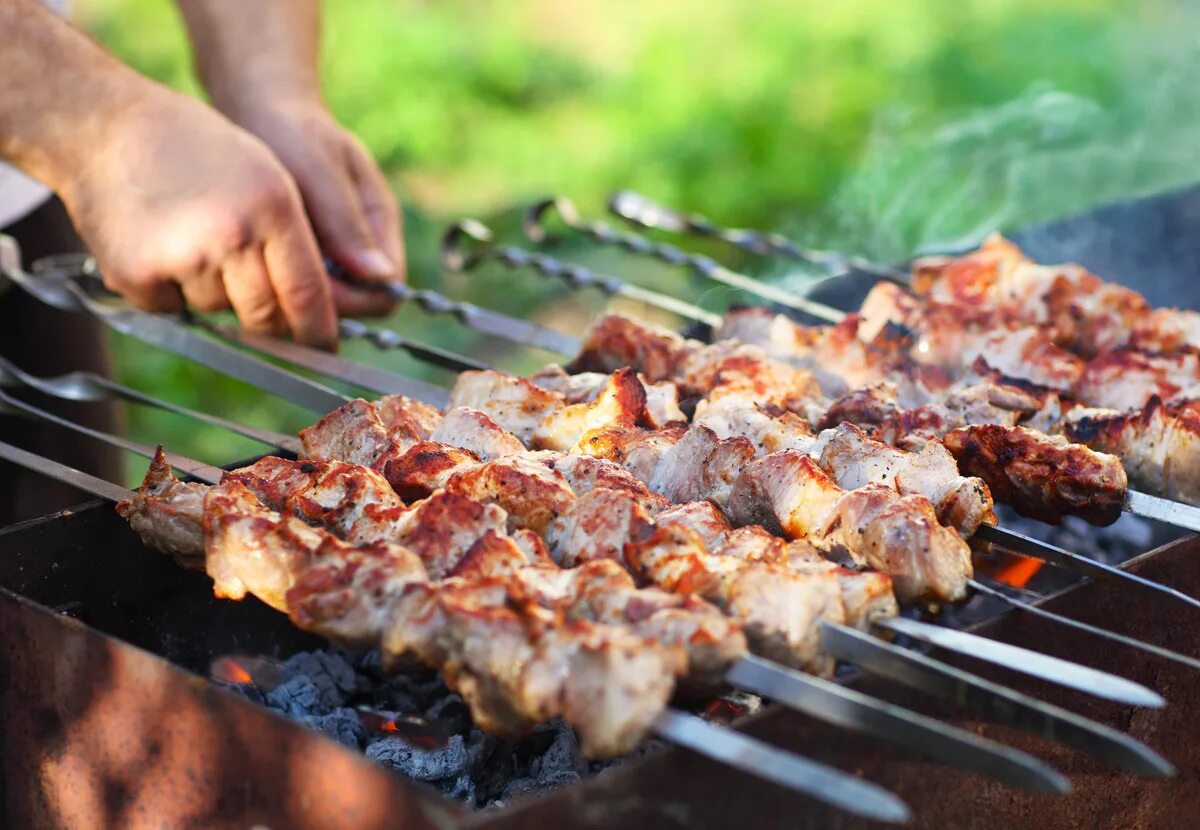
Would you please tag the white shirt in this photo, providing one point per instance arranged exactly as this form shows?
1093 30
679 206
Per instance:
19 194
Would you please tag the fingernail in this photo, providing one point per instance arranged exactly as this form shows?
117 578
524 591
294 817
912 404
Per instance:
374 263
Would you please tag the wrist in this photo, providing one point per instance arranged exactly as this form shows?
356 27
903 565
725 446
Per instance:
246 104
95 119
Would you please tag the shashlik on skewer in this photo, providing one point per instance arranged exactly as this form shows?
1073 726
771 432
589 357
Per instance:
1030 343
493 577
516 663
982 423
875 525
997 278
1090 315
1157 439
763 676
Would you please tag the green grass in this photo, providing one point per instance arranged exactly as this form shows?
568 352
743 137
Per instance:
879 126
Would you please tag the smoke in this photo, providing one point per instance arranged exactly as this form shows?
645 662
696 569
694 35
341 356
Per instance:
924 186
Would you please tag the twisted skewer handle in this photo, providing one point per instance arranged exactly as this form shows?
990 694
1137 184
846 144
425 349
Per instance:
642 212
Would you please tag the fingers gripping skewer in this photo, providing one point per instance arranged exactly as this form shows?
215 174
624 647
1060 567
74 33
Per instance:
166 332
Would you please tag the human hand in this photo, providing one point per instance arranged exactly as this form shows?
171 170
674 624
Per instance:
175 200
349 202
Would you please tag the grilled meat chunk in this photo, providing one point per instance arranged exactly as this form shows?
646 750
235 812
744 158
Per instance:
516 404
873 525
662 399
856 460
473 431
1042 476
357 434
1159 444
1090 315
621 403
167 513
780 610
531 493
617 341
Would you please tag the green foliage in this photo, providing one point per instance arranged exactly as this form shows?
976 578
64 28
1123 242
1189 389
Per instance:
880 126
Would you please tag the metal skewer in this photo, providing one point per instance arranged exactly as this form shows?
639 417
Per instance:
462 251
844 707
641 212
89 386
706 267
1036 664
722 744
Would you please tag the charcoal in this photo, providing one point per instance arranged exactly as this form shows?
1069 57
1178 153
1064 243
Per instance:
448 761
558 778
563 756
298 698
449 712
409 694
343 725
492 765
647 747
519 787
461 789
329 671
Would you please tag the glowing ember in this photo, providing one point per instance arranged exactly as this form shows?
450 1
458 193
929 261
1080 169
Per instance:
1019 571
229 670
722 710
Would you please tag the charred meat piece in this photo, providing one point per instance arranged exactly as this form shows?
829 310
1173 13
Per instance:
1159 444
167 513
1042 476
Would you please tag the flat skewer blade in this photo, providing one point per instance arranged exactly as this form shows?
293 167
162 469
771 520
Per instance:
1073 561
516 330
847 708
798 774
367 377
198 469
176 336
1158 651
1163 510
61 472
1027 661
993 701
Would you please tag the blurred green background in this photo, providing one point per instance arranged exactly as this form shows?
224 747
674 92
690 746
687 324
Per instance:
883 127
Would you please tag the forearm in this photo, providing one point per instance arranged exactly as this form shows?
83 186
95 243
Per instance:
61 94
251 53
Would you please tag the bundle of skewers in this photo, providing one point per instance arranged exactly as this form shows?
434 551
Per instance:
661 515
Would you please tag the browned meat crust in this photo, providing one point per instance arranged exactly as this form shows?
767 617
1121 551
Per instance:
1041 476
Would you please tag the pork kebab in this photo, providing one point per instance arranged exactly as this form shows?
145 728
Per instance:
1133 405
874 525
1035 449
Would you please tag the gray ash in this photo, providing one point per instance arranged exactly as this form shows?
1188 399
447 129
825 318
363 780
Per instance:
410 721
